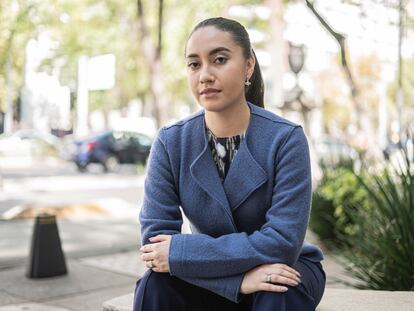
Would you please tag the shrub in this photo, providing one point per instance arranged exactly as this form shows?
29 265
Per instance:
336 197
381 251
321 219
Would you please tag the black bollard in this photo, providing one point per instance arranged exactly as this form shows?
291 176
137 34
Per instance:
46 255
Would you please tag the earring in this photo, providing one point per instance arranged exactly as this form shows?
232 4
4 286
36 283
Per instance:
247 82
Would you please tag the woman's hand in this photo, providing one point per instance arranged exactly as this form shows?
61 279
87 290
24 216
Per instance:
269 278
155 254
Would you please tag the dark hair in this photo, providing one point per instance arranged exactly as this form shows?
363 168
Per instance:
254 93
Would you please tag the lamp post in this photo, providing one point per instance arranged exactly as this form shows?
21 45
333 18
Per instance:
400 94
294 98
296 58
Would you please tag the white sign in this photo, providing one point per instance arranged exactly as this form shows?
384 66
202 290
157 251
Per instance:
101 72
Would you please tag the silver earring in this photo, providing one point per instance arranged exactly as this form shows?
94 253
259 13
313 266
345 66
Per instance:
247 82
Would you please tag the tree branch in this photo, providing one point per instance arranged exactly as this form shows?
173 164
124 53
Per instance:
341 41
339 37
160 22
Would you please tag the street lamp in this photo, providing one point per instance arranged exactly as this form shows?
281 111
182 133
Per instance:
296 57
295 98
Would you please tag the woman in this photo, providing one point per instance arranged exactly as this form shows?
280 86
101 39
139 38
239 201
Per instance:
242 177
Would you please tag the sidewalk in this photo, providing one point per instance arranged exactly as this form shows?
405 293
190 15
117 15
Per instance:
89 283
110 235
79 239
101 257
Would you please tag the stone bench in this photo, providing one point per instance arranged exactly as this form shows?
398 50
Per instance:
333 300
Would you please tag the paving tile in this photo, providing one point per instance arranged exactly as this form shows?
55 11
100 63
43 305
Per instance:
32 307
79 238
92 301
80 279
126 263
7 299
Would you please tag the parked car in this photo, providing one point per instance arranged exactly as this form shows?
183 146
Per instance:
111 148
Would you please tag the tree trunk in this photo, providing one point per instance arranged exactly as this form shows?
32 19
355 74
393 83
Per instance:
274 98
9 118
153 54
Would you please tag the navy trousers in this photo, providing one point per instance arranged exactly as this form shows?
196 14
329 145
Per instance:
163 292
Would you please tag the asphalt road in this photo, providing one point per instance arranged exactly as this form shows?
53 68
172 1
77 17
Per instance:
59 182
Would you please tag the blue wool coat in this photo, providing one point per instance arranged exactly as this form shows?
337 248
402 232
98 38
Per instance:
259 215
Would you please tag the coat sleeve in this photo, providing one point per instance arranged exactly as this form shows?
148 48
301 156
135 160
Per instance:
160 214
279 240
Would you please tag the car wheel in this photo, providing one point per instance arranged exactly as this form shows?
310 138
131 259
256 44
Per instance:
111 164
81 168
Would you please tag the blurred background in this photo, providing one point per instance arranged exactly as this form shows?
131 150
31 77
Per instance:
85 84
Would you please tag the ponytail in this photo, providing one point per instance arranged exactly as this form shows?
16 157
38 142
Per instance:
255 91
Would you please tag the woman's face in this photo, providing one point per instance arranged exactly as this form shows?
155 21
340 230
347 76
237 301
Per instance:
215 61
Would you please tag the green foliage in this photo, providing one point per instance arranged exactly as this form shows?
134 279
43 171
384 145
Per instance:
380 253
96 27
322 220
336 198
17 25
93 27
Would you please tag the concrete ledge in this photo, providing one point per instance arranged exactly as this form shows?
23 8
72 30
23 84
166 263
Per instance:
122 303
333 300
366 300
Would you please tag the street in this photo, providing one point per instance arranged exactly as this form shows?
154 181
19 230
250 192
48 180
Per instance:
57 184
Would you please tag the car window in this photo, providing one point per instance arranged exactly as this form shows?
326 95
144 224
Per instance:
142 139
121 137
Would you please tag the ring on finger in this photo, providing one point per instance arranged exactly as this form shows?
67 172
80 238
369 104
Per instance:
268 278
151 264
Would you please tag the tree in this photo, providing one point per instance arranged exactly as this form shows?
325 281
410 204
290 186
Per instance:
365 126
152 53
16 27
150 64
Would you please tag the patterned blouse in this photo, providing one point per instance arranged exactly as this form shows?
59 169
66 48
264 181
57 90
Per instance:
223 150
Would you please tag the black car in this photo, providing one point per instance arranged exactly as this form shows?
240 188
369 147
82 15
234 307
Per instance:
112 148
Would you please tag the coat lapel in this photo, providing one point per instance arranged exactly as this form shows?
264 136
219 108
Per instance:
244 176
204 171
